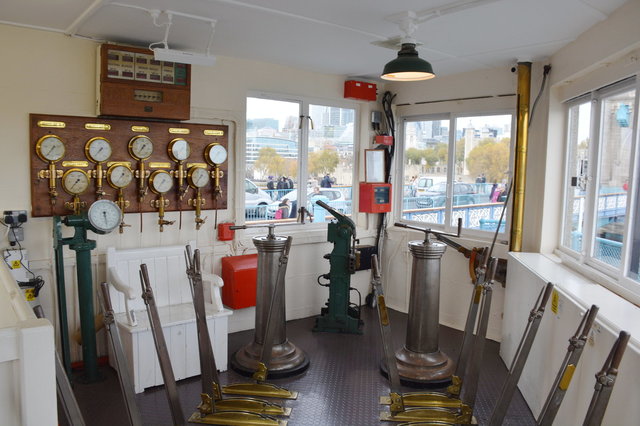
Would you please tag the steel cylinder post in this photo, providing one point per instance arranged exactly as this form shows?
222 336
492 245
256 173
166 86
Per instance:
286 358
87 316
420 360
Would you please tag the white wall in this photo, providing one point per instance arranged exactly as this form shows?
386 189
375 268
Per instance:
50 73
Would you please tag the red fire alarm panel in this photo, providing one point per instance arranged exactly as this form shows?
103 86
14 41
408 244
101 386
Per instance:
360 90
375 197
224 231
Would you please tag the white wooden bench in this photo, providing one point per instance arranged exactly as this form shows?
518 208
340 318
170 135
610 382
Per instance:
171 289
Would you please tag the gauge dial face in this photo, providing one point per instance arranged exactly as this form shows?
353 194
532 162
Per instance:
98 150
50 148
75 181
179 149
160 181
104 215
140 147
198 177
119 176
215 154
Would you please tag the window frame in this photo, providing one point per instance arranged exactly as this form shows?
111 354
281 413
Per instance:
584 261
304 103
401 159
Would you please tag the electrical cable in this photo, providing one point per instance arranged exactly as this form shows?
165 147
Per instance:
545 73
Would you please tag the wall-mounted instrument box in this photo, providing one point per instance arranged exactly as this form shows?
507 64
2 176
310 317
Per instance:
360 90
132 83
375 197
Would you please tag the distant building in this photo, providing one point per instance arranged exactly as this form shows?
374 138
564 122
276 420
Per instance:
284 147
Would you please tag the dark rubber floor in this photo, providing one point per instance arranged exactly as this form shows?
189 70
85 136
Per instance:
341 387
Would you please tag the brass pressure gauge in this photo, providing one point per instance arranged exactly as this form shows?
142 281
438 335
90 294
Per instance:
104 215
179 149
50 149
75 182
160 183
198 177
215 154
120 176
98 150
140 147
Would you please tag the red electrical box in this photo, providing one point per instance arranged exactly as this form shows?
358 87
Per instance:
224 231
384 140
375 197
239 274
360 90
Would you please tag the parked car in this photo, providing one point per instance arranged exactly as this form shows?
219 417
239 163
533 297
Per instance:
423 183
436 195
255 199
335 196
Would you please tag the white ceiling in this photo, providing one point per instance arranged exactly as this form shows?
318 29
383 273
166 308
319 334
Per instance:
330 36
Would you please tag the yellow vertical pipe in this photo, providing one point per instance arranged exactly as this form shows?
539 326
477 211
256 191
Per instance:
520 168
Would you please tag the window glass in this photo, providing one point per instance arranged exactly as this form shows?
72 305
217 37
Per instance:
483 149
613 176
577 177
272 153
426 152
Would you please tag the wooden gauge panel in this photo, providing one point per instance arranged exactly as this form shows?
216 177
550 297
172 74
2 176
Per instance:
134 84
74 132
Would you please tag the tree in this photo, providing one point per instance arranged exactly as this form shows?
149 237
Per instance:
491 158
414 156
323 162
269 162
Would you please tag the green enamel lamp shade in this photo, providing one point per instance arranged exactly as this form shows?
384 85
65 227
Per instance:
408 66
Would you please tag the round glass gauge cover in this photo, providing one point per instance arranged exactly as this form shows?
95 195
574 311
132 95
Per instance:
98 150
119 176
198 177
75 181
140 147
161 181
215 153
104 215
179 149
50 148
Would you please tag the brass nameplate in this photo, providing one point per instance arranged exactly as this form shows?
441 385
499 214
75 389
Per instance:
190 165
56 124
119 163
97 126
179 131
159 165
210 132
139 129
75 164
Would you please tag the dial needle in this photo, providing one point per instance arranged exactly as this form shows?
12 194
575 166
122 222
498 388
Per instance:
74 183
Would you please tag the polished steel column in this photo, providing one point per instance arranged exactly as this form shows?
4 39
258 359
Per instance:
420 360
286 358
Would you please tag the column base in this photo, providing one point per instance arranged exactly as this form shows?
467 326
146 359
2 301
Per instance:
286 360
418 369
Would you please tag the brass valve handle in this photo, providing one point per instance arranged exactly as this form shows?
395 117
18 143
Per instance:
428 231
99 174
142 174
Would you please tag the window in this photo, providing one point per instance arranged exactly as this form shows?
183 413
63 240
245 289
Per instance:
600 226
456 166
297 152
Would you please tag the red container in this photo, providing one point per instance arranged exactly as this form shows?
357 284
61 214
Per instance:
360 90
224 233
240 277
384 140
374 197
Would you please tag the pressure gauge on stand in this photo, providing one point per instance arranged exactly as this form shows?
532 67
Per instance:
75 182
215 154
198 177
141 148
119 176
160 183
104 215
50 149
98 150
179 150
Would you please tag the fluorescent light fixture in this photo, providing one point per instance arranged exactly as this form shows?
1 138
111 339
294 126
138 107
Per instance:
183 57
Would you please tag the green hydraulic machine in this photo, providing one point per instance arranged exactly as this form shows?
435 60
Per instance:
103 217
339 316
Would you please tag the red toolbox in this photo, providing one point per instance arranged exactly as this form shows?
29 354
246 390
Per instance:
240 276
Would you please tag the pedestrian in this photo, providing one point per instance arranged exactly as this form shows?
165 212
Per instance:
494 189
271 186
326 181
283 209
289 183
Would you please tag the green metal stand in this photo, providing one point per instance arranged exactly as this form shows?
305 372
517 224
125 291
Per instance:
338 316
82 246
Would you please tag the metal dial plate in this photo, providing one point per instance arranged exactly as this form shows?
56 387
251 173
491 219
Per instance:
179 149
119 176
215 154
75 181
160 181
50 148
98 150
198 177
140 147
104 215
